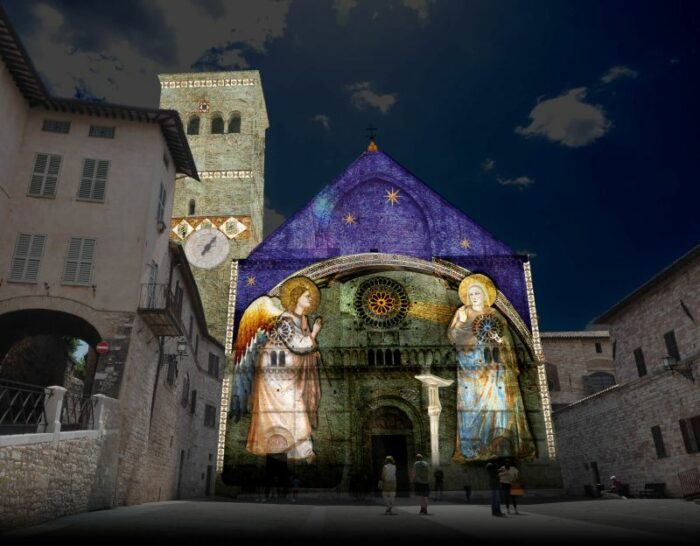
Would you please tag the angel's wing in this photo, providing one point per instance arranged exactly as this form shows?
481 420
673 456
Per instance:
255 324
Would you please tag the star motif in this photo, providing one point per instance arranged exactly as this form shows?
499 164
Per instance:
251 280
392 196
349 219
465 244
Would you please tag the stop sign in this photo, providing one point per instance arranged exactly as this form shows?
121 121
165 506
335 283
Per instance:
102 347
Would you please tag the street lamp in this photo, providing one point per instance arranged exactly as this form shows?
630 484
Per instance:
181 346
673 365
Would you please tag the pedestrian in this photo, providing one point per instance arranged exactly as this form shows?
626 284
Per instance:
421 482
507 474
439 479
388 484
494 483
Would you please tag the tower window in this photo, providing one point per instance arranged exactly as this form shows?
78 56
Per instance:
234 124
191 207
217 126
193 125
598 348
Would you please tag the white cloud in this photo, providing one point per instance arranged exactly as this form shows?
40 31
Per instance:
122 71
618 72
363 96
323 120
419 6
567 119
271 219
488 164
520 182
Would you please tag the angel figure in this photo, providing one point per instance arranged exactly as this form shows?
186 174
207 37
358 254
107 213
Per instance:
276 373
491 420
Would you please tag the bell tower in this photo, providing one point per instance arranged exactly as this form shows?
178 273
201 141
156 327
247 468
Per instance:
219 220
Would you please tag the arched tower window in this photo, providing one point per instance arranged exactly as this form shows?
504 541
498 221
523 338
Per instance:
273 358
217 126
282 358
234 124
191 207
193 125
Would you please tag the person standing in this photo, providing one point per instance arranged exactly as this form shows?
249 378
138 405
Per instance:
439 480
506 475
494 483
389 484
421 482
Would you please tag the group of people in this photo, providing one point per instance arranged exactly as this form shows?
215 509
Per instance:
503 478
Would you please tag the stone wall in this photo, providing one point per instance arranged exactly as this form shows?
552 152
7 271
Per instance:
613 430
571 358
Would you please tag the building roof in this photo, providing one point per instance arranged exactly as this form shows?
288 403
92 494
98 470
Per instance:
29 83
657 279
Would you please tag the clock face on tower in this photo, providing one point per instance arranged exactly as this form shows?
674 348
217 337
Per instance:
206 248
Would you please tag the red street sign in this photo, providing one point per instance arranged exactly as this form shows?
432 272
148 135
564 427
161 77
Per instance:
102 347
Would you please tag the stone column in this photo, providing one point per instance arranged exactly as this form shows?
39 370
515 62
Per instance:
53 404
433 382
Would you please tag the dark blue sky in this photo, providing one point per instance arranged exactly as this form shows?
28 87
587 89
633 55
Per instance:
567 129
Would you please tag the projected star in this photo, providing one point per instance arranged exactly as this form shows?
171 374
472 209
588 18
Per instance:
465 244
392 196
349 219
251 280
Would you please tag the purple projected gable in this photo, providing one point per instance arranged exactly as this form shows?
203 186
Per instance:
376 205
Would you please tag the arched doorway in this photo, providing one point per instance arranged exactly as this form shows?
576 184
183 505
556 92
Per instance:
389 431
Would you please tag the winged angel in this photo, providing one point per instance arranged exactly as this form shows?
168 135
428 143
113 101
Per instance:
276 371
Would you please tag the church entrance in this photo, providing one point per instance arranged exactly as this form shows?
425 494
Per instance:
389 431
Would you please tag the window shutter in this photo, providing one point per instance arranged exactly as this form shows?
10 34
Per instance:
85 189
45 175
93 180
161 203
78 268
27 257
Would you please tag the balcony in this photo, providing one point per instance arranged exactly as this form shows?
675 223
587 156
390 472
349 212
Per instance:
160 309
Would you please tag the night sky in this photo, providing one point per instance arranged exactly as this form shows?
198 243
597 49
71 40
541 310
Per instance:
569 130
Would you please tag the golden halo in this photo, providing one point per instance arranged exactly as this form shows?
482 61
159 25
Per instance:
483 282
288 287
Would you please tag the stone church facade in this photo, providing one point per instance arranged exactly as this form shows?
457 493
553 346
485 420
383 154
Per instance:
378 230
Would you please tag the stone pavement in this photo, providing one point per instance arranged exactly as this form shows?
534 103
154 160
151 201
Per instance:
341 520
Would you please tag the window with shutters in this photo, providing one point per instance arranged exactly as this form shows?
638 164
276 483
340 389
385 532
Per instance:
658 442
162 194
209 415
79 261
639 360
671 345
101 131
55 126
93 180
27 257
690 430
45 175
213 368
193 402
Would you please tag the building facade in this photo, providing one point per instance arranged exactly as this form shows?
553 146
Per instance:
578 364
86 196
646 428
397 363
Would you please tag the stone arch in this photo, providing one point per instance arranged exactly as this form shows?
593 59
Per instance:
217 124
234 122
193 124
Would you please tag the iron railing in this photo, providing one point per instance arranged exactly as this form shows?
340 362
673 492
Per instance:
161 309
21 407
77 412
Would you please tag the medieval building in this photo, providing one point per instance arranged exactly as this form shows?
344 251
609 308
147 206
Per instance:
86 195
358 336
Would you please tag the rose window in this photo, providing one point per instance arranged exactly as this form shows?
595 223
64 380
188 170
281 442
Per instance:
487 328
381 302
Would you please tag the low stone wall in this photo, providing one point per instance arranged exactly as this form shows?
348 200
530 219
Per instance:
42 479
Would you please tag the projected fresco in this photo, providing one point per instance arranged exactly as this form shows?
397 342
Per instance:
491 416
277 374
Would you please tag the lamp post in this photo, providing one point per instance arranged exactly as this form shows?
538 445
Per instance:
670 363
